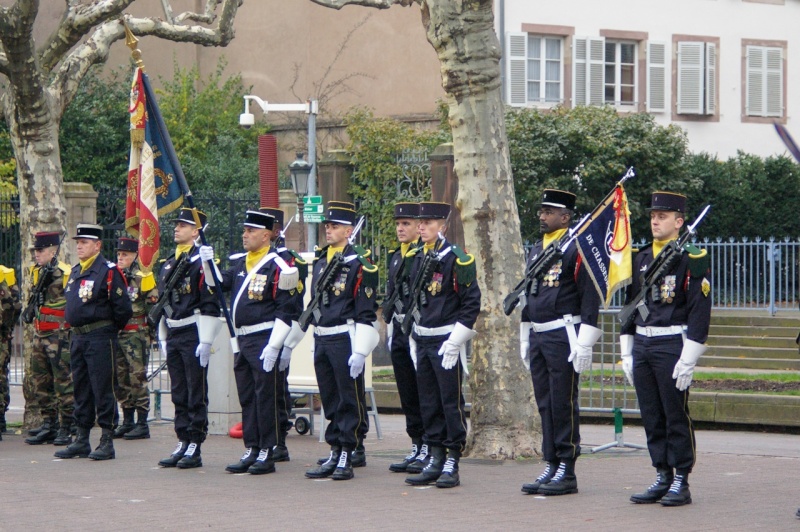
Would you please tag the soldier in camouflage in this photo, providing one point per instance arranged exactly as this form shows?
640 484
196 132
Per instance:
134 341
9 312
51 380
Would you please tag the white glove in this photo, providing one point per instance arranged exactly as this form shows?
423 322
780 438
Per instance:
525 343
356 364
389 334
203 352
162 345
626 352
581 356
162 336
286 356
206 253
451 348
269 355
412 350
684 369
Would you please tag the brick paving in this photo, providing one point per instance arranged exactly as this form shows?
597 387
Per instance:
741 479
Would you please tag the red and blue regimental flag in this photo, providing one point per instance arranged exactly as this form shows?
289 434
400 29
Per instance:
605 245
153 189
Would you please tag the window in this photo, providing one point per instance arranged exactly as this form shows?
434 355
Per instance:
545 64
764 81
695 84
620 73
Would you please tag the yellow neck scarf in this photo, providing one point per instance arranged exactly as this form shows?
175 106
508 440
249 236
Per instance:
553 237
404 249
658 245
180 249
254 257
333 251
86 264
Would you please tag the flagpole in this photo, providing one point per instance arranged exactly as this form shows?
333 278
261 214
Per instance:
169 151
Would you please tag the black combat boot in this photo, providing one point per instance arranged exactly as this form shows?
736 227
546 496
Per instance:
104 451
173 459
127 423
264 464
191 458
141 430
244 463
344 468
449 477
64 434
36 430
678 493
80 448
544 478
280 453
401 467
432 471
327 468
46 435
564 482
420 462
659 488
2 423
358 458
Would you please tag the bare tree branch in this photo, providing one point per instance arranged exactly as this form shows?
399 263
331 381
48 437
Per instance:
208 15
380 4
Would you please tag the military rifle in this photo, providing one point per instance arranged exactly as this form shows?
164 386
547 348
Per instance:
394 304
661 266
37 295
418 298
167 297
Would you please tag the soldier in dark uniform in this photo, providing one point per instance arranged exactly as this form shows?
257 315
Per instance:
448 304
51 389
344 337
556 348
398 288
10 307
186 331
262 285
659 353
284 400
132 392
98 307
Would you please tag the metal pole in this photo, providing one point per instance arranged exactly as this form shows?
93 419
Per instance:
312 178
772 260
301 221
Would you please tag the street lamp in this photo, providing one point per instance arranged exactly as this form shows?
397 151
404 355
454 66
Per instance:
299 171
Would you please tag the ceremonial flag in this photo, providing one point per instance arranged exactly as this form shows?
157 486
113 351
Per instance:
153 189
604 243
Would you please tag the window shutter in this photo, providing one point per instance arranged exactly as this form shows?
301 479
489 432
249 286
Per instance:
656 77
690 78
711 78
755 75
589 65
774 81
579 75
597 70
517 68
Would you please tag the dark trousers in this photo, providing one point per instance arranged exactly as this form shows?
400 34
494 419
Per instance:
440 399
284 405
555 386
342 396
189 384
257 392
664 408
406 378
92 363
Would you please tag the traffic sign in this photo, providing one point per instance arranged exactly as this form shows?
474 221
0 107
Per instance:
312 209
312 200
311 218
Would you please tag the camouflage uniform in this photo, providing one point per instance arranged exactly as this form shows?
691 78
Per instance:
50 376
9 312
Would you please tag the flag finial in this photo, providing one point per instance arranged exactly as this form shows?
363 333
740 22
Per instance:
132 42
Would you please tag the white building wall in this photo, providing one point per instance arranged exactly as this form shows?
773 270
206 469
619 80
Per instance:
729 20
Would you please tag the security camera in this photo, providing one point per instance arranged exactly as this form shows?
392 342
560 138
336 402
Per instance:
247 120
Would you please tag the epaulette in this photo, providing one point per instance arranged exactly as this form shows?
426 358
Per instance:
642 248
237 256
300 262
699 260
413 250
466 272
319 252
369 272
8 275
362 252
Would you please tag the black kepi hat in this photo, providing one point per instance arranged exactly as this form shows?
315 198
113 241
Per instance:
342 204
434 209
185 216
275 213
339 214
406 210
89 232
558 198
667 201
128 244
259 220
45 239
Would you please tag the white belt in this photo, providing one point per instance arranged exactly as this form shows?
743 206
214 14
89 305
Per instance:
244 330
433 331
400 318
328 331
661 331
174 324
555 324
